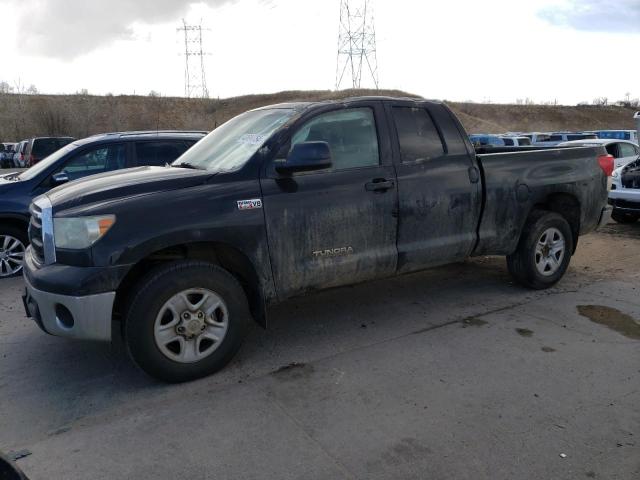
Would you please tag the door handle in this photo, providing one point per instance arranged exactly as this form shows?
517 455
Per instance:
474 175
379 185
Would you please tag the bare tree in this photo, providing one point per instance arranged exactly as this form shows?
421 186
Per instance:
5 87
51 119
114 112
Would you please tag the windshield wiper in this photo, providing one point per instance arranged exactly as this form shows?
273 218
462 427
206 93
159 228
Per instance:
187 165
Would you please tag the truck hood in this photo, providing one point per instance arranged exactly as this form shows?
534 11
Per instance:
124 183
7 182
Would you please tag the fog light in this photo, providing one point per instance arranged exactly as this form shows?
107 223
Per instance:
64 317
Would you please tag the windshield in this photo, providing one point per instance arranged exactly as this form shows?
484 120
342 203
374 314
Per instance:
232 144
45 163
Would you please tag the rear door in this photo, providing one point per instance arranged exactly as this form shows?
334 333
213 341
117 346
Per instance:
336 226
439 187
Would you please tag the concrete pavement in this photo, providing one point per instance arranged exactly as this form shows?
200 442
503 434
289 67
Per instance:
454 373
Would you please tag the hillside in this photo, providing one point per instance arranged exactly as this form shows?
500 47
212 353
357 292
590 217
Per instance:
23 116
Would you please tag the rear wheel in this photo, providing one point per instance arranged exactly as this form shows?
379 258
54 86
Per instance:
544 251
622 217
187 321
13 243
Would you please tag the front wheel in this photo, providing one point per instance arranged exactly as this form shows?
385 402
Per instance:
544 251
13 243
187 321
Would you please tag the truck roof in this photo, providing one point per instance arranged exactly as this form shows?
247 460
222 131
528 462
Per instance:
305 105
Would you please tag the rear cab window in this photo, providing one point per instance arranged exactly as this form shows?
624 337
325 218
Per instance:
418 136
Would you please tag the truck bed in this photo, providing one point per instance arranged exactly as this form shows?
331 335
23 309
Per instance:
516 179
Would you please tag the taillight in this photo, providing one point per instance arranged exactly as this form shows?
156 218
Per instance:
606 164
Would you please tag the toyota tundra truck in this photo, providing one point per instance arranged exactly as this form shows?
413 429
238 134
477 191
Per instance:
286 200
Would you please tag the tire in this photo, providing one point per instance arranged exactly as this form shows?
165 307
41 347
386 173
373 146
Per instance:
624 218
146 330
533 264
12 253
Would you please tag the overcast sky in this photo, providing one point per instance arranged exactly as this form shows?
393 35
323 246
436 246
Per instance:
490 50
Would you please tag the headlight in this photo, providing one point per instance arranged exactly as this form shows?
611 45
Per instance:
81 232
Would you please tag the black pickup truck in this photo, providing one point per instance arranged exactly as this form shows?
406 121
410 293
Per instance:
288 199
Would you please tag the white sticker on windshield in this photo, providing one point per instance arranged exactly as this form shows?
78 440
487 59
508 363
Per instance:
252 139
249 204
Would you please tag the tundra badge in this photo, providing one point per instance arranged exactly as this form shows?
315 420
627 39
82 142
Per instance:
249 204
333 252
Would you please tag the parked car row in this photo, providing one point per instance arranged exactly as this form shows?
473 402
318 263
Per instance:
29 152
521 139
7 151
73 161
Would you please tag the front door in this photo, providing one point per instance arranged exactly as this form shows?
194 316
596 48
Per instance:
335 226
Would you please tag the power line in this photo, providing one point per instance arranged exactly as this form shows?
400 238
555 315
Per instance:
356 44
195 78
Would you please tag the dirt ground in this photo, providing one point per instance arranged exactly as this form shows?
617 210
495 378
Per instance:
454 373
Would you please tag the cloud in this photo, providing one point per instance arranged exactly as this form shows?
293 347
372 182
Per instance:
619 16
68 28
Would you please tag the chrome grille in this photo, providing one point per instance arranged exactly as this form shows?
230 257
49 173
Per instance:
41 231
35 233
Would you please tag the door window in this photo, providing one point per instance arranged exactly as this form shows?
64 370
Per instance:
417 134
98 160
613 150
627 150
160 153
351 135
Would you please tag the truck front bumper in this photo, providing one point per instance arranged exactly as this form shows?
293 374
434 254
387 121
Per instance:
73 302
86 318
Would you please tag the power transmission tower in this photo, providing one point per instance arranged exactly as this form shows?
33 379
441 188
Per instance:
356 44
195 78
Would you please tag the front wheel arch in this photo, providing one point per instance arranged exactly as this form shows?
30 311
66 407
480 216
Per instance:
223 255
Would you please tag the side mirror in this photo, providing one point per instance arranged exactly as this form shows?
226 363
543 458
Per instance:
306 157
59 178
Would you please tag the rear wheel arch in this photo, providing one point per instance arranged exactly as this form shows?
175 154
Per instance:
542 256
567 206
221 254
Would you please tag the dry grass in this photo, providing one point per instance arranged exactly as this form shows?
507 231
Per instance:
23 116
